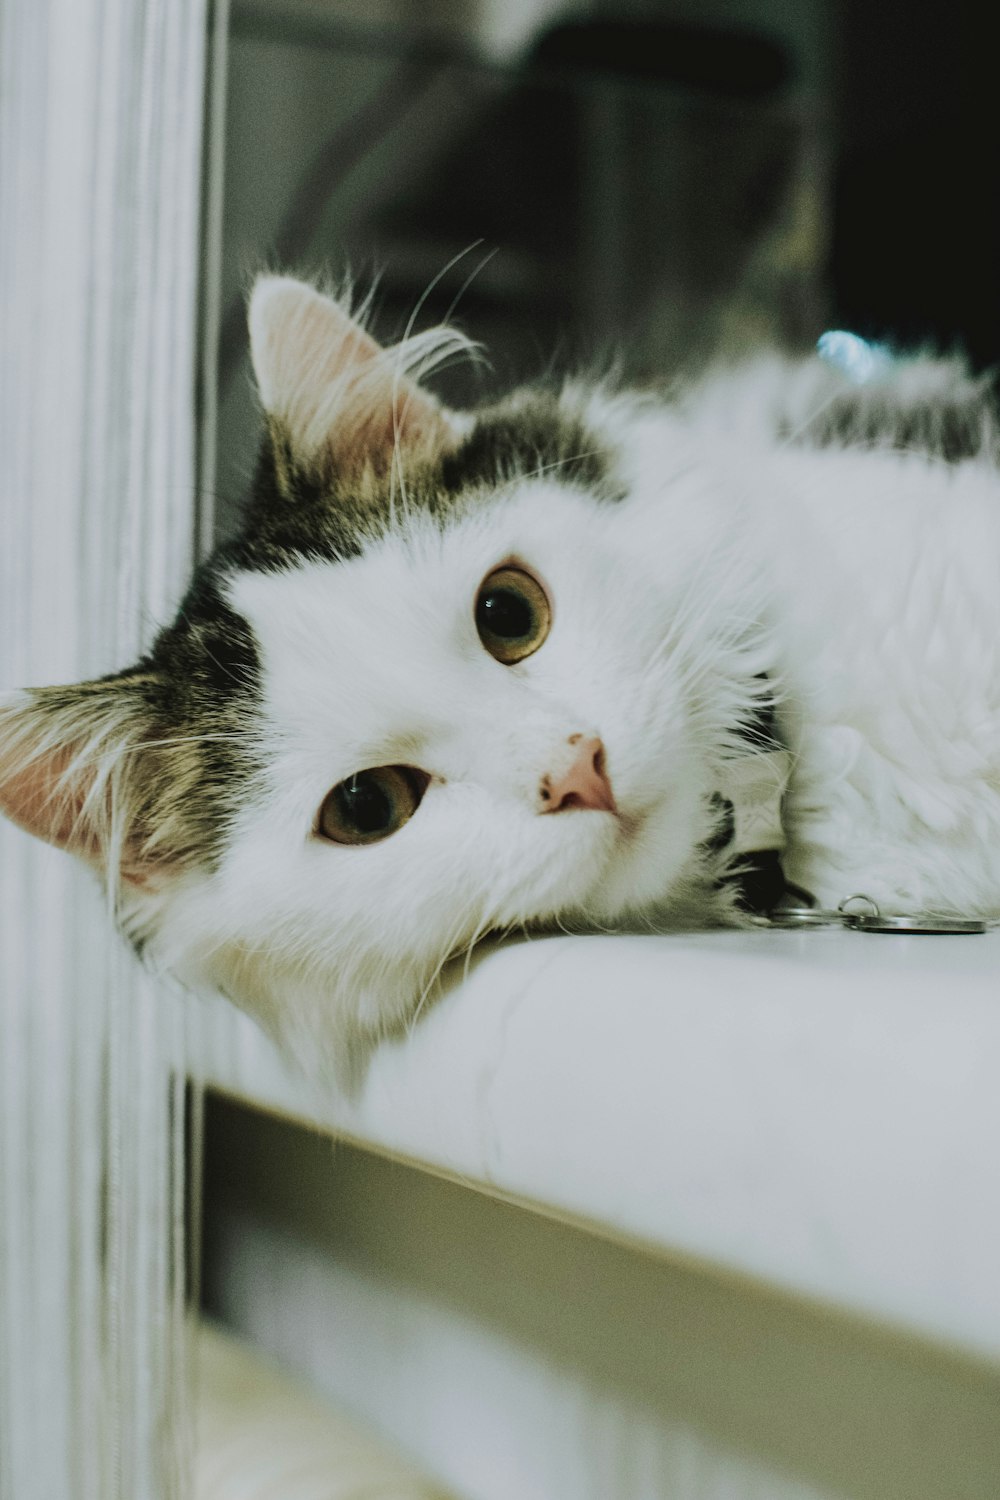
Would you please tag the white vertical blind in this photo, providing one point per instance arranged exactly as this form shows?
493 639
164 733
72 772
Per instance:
100 168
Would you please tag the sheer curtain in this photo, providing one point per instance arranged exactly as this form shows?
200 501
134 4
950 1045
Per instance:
101 125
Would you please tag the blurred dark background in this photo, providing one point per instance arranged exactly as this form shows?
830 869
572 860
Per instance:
650 182
913 212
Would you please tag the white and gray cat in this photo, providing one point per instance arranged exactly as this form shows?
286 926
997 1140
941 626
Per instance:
468 672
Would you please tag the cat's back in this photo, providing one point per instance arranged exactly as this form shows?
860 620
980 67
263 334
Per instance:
875 503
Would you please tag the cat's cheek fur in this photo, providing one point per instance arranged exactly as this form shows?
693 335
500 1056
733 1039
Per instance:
368 921
333 943
310 986
329 942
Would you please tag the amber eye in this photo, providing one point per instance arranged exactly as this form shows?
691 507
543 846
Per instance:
512 614
370 805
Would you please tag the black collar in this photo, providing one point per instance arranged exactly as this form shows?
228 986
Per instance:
750 836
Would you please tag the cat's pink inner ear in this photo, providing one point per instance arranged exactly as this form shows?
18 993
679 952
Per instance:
301 343
57 772
333 389
37 795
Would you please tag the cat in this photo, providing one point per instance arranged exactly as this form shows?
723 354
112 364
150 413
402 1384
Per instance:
468 672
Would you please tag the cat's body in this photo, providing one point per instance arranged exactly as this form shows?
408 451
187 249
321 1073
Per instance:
882 564
557 623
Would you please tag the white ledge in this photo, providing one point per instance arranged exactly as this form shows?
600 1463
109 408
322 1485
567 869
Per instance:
820 1111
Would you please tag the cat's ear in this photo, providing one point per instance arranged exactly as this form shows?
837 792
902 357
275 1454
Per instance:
332 393
71 771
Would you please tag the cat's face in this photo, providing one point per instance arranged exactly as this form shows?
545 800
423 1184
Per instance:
448 682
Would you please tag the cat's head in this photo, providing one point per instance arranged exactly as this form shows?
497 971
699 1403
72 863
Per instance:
456 675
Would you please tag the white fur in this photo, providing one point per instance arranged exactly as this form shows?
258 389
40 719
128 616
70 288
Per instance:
377 662
864 583
881 572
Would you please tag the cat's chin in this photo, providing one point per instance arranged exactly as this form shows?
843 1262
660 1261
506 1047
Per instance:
655 855
613 866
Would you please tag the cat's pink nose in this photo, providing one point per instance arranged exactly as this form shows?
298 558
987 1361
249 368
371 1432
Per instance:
585 784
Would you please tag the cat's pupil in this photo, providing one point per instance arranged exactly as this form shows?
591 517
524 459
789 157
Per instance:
364 804
512 614
505 613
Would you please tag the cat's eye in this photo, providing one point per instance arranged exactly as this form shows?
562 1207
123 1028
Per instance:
513 615
370 805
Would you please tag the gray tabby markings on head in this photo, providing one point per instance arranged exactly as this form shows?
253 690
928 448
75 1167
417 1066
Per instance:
354 443
141 772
